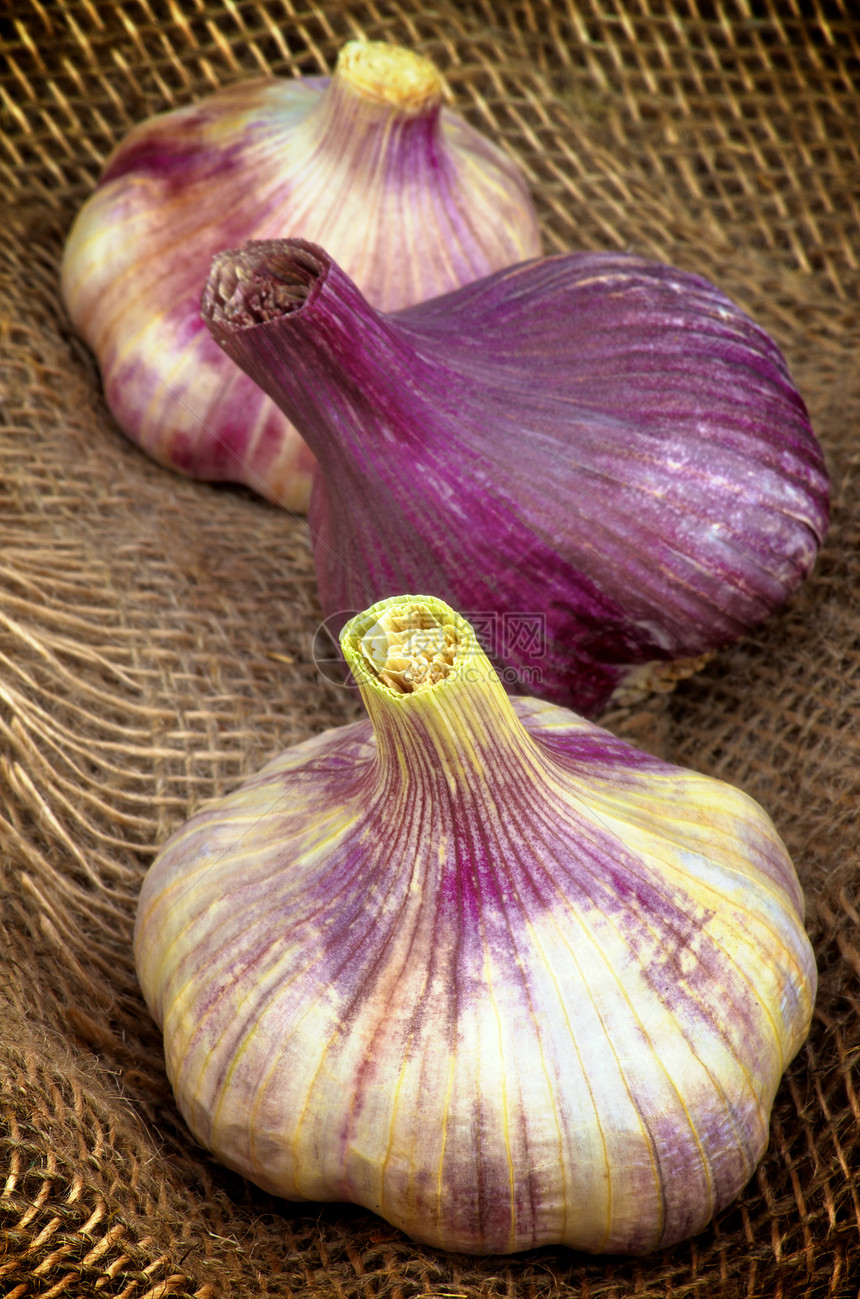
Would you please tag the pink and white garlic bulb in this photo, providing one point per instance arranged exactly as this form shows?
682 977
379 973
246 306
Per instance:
478 965
411 199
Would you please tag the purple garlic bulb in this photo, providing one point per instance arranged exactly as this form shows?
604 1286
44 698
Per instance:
411 199
598 448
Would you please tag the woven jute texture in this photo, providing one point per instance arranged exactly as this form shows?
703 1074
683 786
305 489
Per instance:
155 633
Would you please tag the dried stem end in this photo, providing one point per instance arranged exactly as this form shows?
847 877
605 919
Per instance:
260 282
408 644
390 75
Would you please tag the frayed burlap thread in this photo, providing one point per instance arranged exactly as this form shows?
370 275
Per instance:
156 634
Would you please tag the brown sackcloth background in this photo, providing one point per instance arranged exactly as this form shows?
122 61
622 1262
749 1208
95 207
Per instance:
155 633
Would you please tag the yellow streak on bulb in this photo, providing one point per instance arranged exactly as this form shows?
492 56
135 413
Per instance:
503 1097
446 1108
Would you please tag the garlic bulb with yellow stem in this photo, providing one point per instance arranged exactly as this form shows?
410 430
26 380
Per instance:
412 200
478 965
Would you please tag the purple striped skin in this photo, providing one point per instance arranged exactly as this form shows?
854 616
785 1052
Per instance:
483 968
414 203
594 437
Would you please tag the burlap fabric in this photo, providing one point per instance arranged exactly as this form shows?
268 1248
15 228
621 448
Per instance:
155 633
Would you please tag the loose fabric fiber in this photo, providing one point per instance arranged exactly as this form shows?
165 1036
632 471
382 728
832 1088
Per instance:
156 633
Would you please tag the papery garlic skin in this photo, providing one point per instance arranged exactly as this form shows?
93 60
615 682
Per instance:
413 200
594 440
479 966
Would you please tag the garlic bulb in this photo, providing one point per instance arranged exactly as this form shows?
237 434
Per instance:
595 445
478 965
411 199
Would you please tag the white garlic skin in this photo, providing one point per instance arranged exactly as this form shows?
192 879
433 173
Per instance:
484 969
413 201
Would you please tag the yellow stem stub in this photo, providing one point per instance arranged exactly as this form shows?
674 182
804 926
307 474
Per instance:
390 74
409 647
